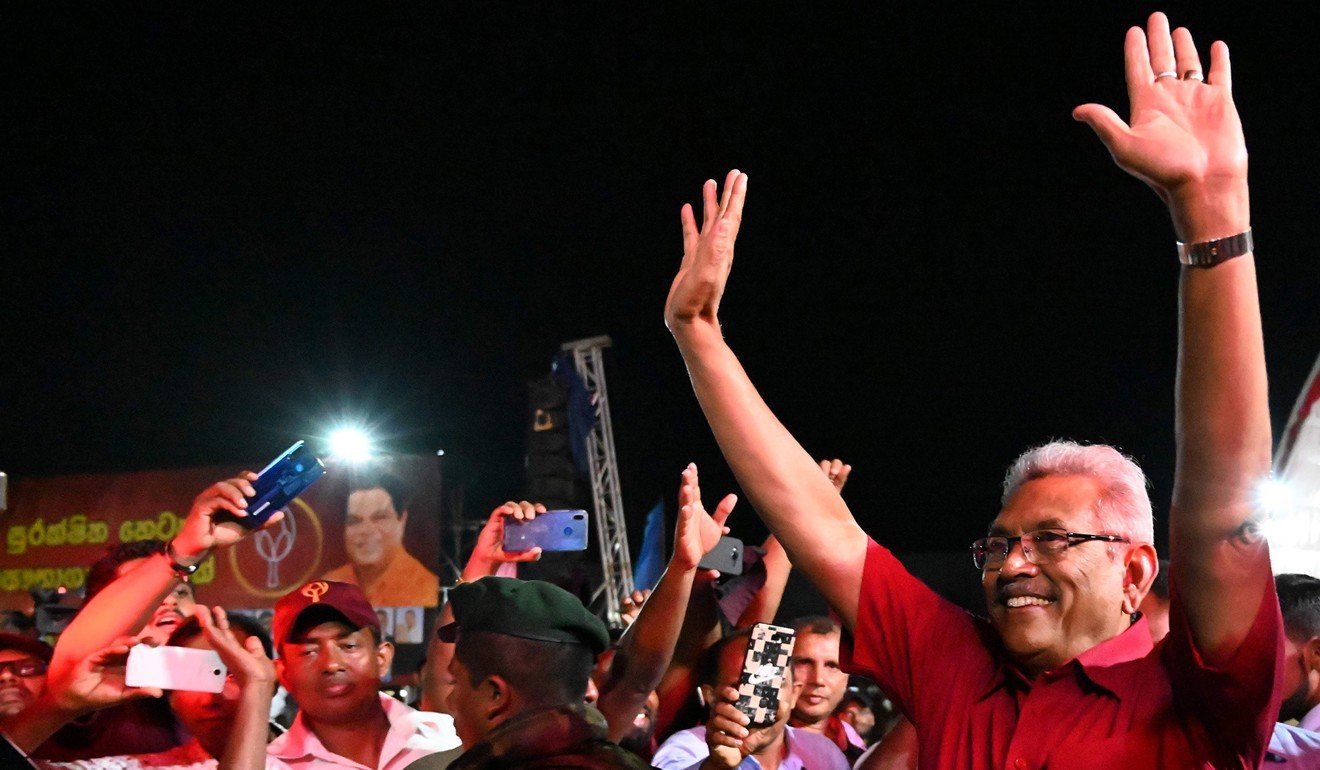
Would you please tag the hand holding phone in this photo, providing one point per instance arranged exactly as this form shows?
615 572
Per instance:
769 654
564 530
280 482
175 668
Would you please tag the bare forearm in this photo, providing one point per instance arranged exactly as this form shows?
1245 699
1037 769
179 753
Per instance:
120 609
1223 432
783 482
765 604
246 748
647 649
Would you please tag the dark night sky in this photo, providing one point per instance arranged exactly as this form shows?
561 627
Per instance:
223 229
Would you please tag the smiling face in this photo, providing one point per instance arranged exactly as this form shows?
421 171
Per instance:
1049 614
373 529
334 671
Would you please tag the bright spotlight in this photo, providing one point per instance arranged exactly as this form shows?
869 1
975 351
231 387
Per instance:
350 445
1275 497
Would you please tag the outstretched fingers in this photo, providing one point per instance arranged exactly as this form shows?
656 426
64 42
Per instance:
1160 44
1220 71
1188 61
723 510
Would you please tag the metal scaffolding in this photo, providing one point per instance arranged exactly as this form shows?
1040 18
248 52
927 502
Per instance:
611 527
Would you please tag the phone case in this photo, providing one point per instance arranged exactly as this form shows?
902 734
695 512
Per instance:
726 556
284 479
552 531
175 668
769 653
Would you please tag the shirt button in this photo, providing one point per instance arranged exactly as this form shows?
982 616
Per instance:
1020 763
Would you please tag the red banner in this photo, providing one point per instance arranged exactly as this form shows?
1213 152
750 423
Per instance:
378 527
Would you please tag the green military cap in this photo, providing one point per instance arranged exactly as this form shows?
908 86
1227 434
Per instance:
527 609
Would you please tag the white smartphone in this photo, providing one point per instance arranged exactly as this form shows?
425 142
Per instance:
175 668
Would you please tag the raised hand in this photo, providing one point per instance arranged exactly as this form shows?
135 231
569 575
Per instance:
836 471
698 532
96 681
201 532
1184 137
489 551
694 296
728 733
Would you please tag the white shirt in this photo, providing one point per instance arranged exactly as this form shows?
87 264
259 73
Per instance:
413 734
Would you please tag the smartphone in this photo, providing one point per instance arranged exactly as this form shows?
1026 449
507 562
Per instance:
550 531
726 556
769 654
175 668
278 483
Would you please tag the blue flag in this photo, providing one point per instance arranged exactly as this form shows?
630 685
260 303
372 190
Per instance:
651 559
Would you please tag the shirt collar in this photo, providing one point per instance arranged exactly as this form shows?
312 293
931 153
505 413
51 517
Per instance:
1099 664
409 729
1311 720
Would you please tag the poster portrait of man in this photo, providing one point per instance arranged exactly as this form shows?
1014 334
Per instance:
374 525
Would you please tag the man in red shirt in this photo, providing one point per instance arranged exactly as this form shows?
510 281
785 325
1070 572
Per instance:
1064 674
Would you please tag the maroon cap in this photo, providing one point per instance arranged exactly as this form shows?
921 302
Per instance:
34 647
343 599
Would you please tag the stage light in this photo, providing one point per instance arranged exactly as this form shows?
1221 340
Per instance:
350 445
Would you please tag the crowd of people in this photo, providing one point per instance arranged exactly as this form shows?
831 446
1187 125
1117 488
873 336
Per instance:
1092 651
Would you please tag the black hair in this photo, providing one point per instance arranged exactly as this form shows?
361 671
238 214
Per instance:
400 492
1299 599
102 573
544 673
709 671
190 628
815 624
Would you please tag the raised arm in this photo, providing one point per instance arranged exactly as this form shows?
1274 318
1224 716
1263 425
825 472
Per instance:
254 673
647 648
485 560
782 482
1184 139
125 605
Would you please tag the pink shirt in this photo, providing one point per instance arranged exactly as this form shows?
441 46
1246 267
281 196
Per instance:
413 734
1121 704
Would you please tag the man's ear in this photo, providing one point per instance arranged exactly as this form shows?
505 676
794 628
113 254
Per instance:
1138 574
1310 652
501 697
384 658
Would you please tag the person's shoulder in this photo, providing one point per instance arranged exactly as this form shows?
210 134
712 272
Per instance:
683 745
1295 742
811 745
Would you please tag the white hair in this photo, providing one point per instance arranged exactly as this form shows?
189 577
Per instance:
1124 505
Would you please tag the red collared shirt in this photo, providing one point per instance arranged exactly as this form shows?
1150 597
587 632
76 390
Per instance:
1121 704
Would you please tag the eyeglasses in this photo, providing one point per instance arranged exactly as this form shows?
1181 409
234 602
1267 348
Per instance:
23 667
1043 546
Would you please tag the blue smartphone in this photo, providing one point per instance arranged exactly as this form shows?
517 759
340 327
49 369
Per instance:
278 483
550 531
